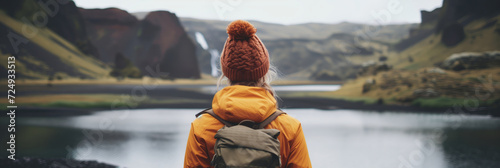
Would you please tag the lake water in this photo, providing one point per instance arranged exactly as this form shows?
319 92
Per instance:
335 138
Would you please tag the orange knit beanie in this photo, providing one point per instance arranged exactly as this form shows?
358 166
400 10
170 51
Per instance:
244 57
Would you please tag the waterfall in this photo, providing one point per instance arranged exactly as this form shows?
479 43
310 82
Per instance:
213 61
214 53
201 40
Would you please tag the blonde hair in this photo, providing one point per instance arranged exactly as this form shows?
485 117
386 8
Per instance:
264 82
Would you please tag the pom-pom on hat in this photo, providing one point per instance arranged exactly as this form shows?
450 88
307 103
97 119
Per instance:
244 57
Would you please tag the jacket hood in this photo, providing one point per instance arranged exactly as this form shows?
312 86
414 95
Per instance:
237 103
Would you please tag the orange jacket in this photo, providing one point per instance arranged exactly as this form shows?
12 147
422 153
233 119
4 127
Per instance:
234 104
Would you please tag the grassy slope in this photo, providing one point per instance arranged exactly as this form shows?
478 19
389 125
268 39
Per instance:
392 88
21 67
426 53
58 46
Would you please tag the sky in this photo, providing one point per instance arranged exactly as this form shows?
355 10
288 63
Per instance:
281 11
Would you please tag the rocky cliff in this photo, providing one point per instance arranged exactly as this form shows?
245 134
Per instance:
165 43
112 30
156 43
450 20
465 11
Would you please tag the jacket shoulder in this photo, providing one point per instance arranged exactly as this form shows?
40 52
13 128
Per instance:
286 123
287 119
205 122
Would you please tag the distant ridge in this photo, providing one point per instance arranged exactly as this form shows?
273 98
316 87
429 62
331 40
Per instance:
310 50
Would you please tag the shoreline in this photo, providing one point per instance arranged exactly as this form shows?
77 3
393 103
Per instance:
284 103
91 98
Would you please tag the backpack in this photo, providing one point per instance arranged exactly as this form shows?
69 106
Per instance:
246 144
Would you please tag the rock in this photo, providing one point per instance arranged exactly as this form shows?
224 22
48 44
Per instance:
429 92
325 76
382 58
372 68
448 20
177 54
472 60
436 70
112 30
380 101
428 17
454 10
112 16
124 68
371 81
457 66
453 34
157 44
368 85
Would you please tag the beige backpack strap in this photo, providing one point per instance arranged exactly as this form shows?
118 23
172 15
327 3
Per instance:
270 119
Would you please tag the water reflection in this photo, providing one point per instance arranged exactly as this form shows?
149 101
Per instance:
335 138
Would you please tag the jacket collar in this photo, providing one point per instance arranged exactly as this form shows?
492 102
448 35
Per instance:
236 103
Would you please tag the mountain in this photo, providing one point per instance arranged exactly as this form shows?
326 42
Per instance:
451 59
458 26
58 47
62 18
158 42
307 51
66 41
